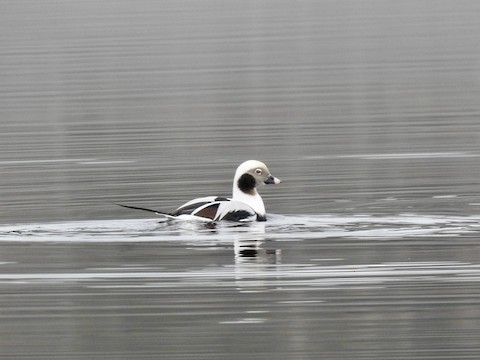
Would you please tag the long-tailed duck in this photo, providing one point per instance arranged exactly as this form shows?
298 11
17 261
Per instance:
245 204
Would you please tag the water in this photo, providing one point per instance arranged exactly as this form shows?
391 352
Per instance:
368 111
295 287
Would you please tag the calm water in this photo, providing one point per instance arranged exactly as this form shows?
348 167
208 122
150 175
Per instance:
367 110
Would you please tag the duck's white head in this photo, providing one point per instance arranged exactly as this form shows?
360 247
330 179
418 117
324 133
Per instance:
248 177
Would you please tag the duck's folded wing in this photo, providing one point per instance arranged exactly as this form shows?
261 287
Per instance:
225 209
189 207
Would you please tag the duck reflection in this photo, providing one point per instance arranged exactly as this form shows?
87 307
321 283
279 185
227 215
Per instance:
254 265
253 251
250 246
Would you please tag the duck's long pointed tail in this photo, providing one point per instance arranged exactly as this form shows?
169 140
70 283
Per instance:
145 209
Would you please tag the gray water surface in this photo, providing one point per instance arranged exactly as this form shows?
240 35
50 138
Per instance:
296 287
367 110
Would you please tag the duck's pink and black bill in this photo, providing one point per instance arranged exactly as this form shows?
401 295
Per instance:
273 180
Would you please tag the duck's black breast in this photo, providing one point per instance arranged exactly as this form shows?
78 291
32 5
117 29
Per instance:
239 215
261 217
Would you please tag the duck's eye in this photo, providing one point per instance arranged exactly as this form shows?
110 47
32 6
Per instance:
258 171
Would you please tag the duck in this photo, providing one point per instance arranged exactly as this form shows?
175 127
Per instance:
245 205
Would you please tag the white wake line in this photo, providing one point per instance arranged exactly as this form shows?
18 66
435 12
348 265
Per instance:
229 237
279 227
386 271
374 234
400 219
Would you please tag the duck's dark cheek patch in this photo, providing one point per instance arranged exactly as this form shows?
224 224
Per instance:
247 183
